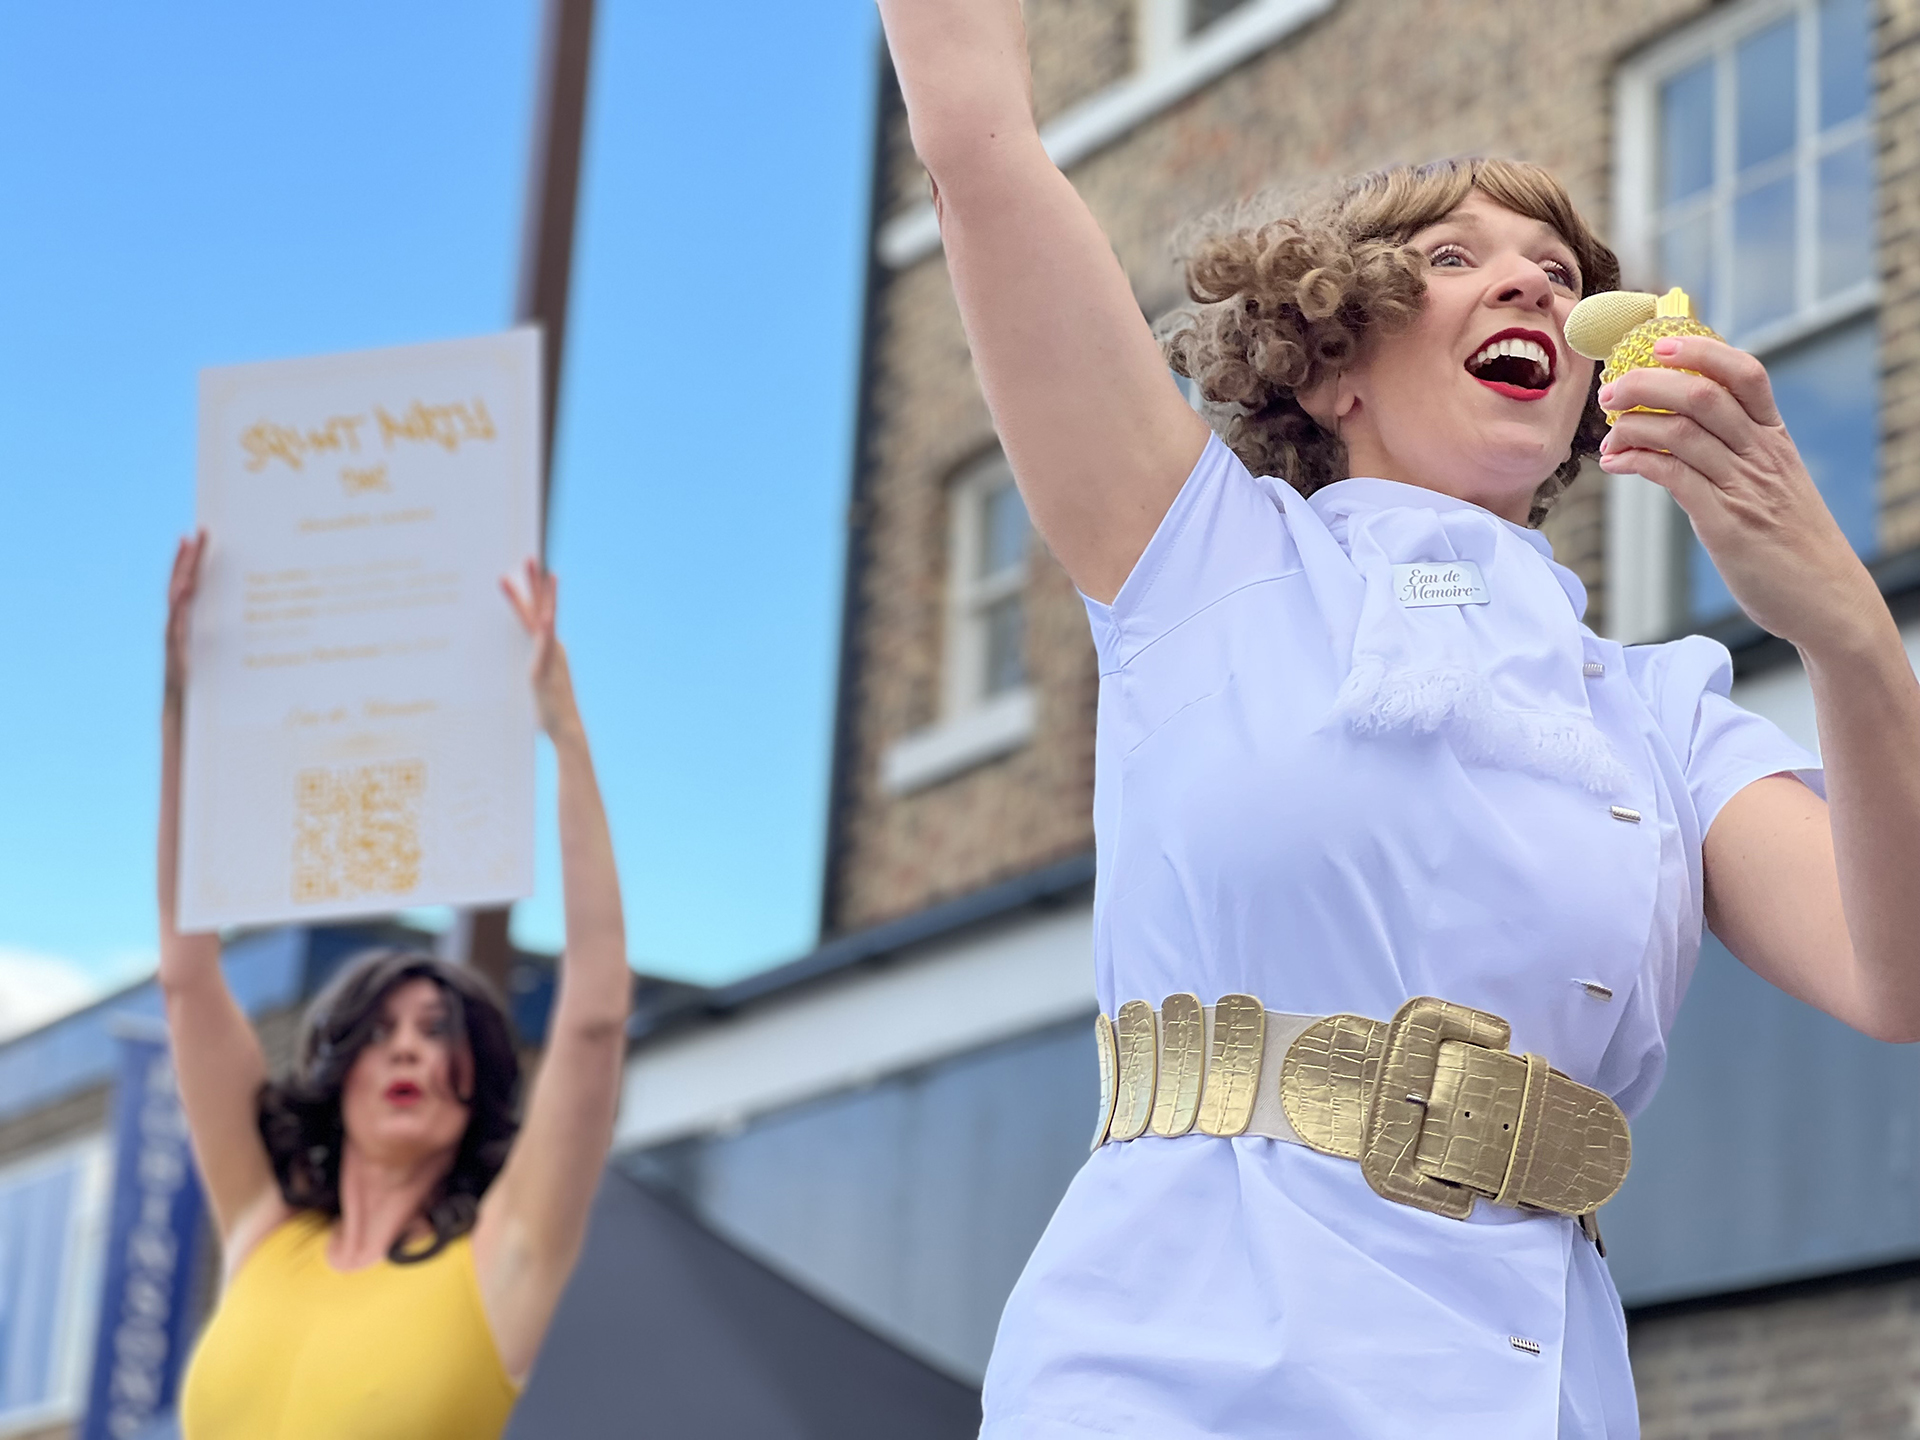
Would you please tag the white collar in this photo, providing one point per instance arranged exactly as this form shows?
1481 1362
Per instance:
1359 494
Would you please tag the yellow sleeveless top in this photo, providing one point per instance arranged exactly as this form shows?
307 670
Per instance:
297 1350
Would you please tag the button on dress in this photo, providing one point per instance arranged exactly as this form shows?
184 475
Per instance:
1316 785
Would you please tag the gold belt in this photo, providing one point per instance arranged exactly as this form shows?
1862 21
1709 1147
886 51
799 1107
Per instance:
1433 1105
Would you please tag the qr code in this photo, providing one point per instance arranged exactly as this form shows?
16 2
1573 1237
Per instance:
357 830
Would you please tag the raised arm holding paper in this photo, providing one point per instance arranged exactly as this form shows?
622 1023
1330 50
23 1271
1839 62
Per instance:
396 1229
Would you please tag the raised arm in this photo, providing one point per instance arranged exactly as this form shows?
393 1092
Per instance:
534 1216
1817 897
1098 435
215 1052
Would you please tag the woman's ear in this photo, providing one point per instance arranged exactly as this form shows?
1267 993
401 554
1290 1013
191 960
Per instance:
1329 400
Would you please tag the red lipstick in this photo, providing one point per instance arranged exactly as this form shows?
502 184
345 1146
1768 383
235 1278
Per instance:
1517 363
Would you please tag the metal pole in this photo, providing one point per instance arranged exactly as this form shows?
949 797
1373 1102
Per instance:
480 937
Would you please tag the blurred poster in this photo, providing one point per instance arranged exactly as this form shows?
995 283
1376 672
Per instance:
153 1247
359 727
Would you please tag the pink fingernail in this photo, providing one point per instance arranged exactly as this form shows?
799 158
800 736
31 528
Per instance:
1668 346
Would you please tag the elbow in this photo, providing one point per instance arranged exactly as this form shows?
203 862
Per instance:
963 145
1893 1030
1893 1021
603 1030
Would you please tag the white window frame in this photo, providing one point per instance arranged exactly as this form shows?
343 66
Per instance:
970 595
1169 66
75 1312
974 727
1645 530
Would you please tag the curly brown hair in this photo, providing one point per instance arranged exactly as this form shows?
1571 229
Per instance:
1285 295
299 1116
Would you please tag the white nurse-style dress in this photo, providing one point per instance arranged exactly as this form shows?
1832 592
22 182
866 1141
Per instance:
1352 750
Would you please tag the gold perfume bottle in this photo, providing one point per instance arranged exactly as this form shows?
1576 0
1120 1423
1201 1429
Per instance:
1620 326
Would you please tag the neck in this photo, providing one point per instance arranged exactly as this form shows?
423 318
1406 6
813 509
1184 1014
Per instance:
1508 496
380 1201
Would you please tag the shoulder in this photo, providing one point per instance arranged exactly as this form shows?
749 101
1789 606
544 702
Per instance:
1673 678
1722 746
1226 529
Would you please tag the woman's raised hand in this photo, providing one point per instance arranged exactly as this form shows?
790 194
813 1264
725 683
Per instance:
552 681
181 587
1724 454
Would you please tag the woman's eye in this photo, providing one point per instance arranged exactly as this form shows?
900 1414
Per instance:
1447 255
1562 273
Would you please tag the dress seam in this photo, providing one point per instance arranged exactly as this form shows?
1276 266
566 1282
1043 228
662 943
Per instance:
1185 620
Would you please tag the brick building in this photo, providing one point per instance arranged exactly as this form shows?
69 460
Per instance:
925 1078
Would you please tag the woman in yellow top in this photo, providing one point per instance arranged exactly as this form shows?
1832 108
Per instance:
394 1241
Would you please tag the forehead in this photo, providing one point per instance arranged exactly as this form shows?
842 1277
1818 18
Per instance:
1481 215
416 995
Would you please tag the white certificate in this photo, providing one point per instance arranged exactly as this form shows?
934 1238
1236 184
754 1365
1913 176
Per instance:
359 725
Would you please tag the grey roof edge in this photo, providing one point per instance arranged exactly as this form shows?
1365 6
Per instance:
1897 575
663 1005
267 969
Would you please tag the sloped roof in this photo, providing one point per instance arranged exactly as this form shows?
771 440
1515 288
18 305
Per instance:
668 1331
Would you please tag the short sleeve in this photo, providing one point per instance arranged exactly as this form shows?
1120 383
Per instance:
1225 530
1724 748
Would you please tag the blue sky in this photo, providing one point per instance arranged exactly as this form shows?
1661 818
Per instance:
208 183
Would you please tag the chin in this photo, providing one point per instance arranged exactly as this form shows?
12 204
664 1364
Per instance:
410 1138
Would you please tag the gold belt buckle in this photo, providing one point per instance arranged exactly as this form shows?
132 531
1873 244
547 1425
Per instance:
1403 1112
1455 1115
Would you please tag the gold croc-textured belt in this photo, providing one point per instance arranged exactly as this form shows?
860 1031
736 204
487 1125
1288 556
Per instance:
1433 1105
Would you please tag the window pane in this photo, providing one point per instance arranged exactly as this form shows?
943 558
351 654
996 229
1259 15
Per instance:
1686 133
1828 390
1843 60
33 1253
1004 531
1846 217
1006 623
1763 255
1766 93
1202 13
1686 260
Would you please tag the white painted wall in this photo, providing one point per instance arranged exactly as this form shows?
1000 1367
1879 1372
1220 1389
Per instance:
942 1000
1784 697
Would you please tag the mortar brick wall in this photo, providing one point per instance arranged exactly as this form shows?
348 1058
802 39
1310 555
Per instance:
1841 1362
1897 101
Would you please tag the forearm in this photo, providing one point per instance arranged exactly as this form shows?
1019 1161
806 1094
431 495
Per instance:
184 959
962 66
1867 701
595 983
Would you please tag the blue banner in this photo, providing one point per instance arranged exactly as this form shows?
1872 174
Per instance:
152 1247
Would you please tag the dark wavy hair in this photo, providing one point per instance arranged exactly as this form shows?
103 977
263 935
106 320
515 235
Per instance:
1285 291
299 1115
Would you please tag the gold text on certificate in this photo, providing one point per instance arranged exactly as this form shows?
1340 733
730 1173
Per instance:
449 426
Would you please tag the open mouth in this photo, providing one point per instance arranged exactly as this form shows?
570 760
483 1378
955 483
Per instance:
1517 363
404 1092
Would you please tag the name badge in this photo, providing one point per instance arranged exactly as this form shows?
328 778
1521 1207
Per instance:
1439 582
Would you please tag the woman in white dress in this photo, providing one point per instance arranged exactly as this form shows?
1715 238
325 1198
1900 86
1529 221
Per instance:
1356 747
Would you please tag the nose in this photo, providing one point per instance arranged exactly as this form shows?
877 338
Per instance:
404 1043
1523 283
